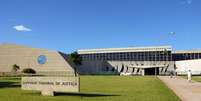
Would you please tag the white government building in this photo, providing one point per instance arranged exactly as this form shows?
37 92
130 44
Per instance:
158 60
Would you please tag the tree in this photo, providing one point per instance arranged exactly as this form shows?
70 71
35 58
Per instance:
15 68
75 58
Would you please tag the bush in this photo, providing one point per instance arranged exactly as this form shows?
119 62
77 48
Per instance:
15 68
29 71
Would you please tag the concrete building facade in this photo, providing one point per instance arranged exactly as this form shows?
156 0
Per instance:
188 60
134 60
160 60
53 62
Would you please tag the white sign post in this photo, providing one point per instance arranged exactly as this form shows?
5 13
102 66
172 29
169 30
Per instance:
49 85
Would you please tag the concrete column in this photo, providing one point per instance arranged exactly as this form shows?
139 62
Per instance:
47 93
143 72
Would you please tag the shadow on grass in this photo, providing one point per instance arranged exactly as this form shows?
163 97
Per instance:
10 78
37 93
85 94
5 84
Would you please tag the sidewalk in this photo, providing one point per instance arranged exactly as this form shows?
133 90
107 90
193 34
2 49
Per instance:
185 90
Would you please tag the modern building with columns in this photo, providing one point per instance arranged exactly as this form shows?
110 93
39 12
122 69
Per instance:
158 60
135 60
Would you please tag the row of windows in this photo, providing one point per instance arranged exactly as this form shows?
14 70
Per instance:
186 56
130 56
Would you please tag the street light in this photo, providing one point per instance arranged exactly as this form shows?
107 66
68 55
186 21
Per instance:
171 34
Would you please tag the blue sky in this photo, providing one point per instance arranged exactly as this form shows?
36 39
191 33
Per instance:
68 25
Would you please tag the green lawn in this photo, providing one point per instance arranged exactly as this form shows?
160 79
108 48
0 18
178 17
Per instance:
96 88
195 78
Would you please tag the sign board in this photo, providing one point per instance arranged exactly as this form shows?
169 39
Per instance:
51 84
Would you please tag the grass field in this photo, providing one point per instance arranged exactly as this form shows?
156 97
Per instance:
96 88
195 78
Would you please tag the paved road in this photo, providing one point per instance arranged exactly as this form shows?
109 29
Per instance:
187 91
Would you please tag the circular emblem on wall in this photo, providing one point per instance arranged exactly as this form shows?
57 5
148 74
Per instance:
42 59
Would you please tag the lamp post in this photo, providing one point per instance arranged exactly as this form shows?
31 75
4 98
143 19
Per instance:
171 35
166 52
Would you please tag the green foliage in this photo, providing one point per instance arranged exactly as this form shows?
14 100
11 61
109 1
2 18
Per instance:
29 71
75 58
15 68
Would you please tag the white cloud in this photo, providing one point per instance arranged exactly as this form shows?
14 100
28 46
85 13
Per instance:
21 28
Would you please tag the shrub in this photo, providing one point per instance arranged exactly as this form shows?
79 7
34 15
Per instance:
15 68
29 71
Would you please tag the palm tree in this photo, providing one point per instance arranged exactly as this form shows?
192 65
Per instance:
75 58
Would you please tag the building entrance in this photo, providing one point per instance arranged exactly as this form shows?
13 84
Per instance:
151 71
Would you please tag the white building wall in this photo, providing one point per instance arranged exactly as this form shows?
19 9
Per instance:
184 66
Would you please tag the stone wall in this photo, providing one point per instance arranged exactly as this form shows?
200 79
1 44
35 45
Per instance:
27 57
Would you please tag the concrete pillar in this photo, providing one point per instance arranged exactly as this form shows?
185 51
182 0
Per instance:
135 70
47 93
143 72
